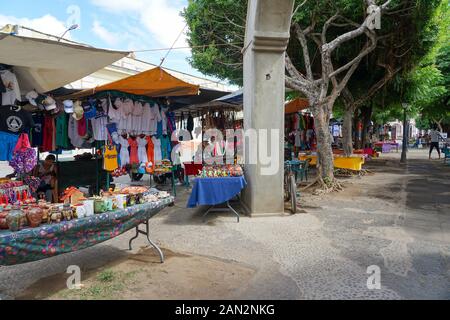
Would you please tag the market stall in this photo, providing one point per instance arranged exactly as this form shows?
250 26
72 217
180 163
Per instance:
217 185
133 118
31 231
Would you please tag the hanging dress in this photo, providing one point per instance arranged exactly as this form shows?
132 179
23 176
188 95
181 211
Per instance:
124 154
142 150
150 154
134 158
157 149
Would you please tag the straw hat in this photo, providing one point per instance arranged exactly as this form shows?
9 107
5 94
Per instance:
78 111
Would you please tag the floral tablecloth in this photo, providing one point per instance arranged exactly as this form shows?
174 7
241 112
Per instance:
53 239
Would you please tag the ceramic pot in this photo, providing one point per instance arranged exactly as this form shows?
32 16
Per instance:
34 216
121 201
67 212
80 211
54 215
100 206
89 207
15 219
109 203
3 222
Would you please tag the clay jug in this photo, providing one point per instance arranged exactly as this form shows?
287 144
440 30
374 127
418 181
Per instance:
34 216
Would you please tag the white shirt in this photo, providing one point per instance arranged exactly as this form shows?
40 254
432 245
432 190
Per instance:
99 128
12 88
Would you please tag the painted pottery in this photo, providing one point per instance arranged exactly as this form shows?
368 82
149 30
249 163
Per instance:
34 216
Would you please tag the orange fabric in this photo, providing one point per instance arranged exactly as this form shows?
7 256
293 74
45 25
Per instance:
134 158
152 83
150 153
296 105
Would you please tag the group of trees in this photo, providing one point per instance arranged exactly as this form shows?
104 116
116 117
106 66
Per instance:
336 58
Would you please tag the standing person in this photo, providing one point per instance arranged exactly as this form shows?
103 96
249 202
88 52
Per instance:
434 141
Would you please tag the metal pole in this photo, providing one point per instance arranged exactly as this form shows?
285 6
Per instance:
405 138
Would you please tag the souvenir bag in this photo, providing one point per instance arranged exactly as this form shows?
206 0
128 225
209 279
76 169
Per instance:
24 158
110 162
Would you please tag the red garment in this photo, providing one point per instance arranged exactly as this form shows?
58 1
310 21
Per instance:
48 139
150 153
81 126
134 158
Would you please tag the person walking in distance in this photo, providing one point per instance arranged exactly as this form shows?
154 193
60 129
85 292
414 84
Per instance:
434 141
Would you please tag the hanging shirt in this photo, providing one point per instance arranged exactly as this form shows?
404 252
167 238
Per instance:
75 139
100 132
12 90
155 117
82 127
36 132
62 138
48 140
110 161
15 119
165 147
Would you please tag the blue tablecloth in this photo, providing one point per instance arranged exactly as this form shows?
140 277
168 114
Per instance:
212 191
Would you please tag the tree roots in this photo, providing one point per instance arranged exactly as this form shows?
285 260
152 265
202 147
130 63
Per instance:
324 186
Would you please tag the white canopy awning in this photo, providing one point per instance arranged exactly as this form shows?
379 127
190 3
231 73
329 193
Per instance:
46 65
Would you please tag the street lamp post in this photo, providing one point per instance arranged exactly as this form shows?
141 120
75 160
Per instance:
72 27
405 134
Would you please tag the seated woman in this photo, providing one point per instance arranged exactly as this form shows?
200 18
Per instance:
46 171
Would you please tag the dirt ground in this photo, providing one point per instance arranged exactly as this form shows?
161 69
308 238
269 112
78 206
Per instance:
396 218
142 276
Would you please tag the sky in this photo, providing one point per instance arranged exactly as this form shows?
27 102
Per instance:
129 25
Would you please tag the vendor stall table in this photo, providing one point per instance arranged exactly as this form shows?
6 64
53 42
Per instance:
53 239
386 147
191 169
215 191
351 163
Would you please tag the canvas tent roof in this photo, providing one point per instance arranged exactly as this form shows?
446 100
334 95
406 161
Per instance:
151 83
45 65
296 105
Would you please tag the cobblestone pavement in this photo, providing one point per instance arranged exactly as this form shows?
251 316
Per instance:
397 219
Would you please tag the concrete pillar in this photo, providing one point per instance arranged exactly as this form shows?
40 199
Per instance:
266 40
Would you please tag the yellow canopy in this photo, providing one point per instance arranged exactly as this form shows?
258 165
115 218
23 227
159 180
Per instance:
152 83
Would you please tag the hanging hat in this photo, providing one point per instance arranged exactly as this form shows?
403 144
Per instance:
78 111
68 106
31 97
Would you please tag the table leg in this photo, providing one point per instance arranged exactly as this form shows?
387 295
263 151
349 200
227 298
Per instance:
234 211
213 208
131 240
147 234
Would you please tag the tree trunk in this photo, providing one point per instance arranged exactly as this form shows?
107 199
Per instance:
347 132
325 164
366 117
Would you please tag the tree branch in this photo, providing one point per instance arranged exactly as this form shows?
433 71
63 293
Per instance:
304 44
